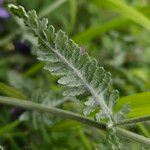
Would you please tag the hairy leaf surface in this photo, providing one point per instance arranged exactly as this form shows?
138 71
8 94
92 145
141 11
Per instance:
79 73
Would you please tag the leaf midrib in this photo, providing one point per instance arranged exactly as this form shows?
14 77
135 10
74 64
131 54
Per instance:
99 100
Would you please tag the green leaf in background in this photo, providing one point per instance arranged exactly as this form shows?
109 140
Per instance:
73 13
33 69
115 23
9 127
140 104
92 32
126 10
11 91
47 10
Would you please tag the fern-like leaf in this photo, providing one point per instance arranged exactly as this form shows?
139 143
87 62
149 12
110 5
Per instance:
47 98
79 72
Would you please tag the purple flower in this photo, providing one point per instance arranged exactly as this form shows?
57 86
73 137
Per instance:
16 112
23 47
1 1
3 12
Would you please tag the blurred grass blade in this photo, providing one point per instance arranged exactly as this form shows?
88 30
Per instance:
9 37
84 139
65 125
51 8
10 91
9 127
140 104
115 23
73 13
126 10
92 32
124 73
13 142
144 130
33 69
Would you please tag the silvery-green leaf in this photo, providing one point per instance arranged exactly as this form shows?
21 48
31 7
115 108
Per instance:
79 72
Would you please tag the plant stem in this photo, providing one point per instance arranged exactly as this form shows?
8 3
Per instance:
133 121
132 136
55 111
69 115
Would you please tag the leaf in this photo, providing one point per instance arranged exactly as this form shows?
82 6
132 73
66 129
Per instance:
95 31
139 103
51 7
126 10
16 80
45 12
9 127
79 72
33 69
47 98
11 91
73 13
121 113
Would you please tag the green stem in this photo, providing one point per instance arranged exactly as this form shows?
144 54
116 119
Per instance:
133 121
66 114
55 111
132 136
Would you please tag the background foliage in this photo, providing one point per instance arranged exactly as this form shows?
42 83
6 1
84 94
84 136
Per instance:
116 33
